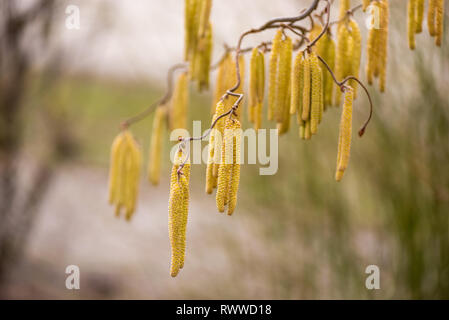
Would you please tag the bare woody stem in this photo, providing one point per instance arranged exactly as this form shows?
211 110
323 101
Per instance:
125 124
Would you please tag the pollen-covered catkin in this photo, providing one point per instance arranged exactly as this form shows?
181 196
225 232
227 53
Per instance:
180 223
235 169
344 7
325 48
411 27
419 15
283 79
306 89
218 137
296 88
154 164
439 16
272 85
203 57
256 87
342 59
355 54
316 91
206 6
430 17
192 23
178 115
124 174
225 168
211 180
344 139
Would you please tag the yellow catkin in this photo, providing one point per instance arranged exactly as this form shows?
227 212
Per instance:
218 137
325 47
220 84
205 10
260 91
344 7
203 59
329 56
283 79
439 16
412 23
355 54
366 4
114 170
178 115
176 211
306 89
430 16
124 174
296 96
154 164
211 180
419 15
316 91
344 139
225 168
272 85
307 131
342 58
321 94
284 126
192 22
133 181
235 171
256 87
180 224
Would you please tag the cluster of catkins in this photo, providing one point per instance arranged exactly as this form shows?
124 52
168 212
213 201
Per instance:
223 164
198 40
124 174
435 16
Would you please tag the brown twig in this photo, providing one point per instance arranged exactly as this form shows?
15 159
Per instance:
125 124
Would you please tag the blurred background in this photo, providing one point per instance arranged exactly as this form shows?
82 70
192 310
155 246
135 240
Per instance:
295 235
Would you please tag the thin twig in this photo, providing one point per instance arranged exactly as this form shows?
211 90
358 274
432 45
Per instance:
125 124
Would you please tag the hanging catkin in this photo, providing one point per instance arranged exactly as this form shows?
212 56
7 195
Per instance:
439 16
178 115
325 48
355 53
202 62
272 85
431 17
296 85
178 211
343 9
206 6
378 46
344 139
218 137
211 180
124 174
342 58
283 79
411 27
235 167
192 23
419 15
305 114
225 168
154 163
316 92
256 87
